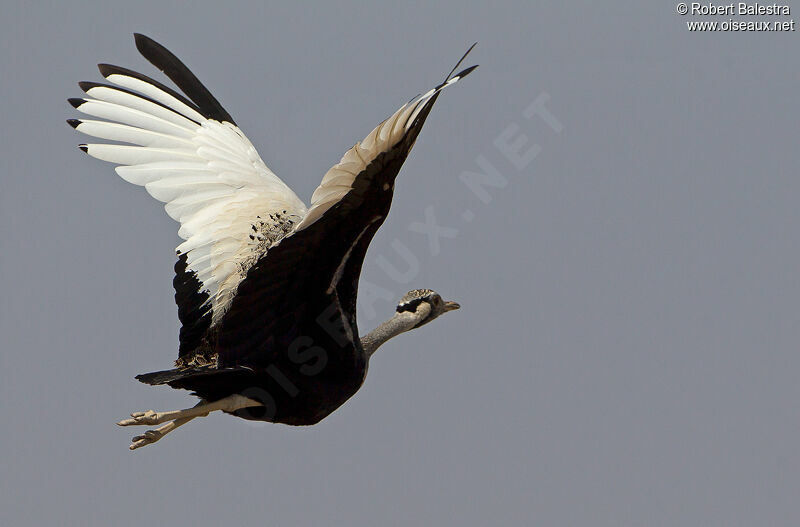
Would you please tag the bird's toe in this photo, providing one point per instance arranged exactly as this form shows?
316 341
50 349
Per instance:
148 437
141 418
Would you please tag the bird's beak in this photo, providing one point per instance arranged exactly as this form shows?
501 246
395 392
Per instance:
451 306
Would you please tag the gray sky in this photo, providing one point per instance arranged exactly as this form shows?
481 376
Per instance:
626 353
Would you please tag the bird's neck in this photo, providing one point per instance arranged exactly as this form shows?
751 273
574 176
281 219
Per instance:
399 323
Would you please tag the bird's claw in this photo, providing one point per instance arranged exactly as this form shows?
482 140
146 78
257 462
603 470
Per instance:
141 418
147 438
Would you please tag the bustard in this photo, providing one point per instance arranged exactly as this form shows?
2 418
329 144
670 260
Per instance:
266 287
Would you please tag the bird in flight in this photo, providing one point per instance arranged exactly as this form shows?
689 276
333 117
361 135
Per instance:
266 286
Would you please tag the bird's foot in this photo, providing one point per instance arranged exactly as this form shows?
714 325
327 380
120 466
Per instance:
177 418
143 418
147 438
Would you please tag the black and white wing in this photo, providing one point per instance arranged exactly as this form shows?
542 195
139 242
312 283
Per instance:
190 155
389 134
286 293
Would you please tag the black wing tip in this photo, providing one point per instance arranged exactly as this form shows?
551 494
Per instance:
107 70
76 101
470 49
463 73
449 75
83 147
73 122
143 40
88 85
149 47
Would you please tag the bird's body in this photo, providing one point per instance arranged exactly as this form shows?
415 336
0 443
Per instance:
266 287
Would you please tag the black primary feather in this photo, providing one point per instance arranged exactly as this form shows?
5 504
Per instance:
164 60
462 74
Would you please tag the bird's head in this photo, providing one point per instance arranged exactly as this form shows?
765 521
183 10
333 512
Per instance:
425 304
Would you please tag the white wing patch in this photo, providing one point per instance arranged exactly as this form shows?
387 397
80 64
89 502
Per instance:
230 206
338 181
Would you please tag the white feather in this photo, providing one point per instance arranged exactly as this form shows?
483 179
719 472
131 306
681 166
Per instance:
104 93
130 134
133 117
209 176
155 93
137 155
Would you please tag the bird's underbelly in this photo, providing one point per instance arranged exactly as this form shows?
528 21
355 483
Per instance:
287 392
299 371
297 401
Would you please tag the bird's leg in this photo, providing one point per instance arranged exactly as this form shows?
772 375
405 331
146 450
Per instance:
151 436
227 404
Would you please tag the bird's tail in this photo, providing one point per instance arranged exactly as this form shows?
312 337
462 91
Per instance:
185 377
165 376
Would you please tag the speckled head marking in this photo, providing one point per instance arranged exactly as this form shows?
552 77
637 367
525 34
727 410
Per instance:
412 299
